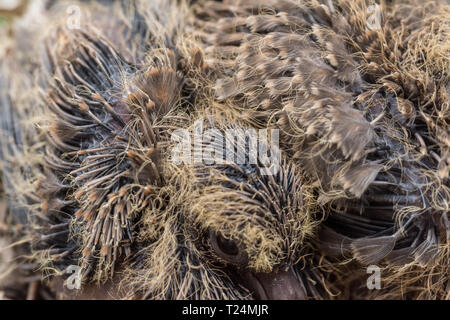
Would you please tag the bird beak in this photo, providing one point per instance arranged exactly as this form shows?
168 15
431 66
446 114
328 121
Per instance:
282 285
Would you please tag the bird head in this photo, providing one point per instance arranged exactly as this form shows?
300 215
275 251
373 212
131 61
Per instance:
234 226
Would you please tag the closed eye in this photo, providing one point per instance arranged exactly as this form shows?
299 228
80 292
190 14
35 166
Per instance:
229 250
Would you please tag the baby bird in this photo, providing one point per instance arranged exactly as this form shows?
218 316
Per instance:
360 92
89 113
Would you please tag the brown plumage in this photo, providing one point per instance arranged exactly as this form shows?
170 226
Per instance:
362 109
88 174
87 127
91 154
269 220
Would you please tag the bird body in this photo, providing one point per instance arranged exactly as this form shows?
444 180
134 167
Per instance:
90 110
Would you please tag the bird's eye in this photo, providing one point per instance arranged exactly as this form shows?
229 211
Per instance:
227 249
227 246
